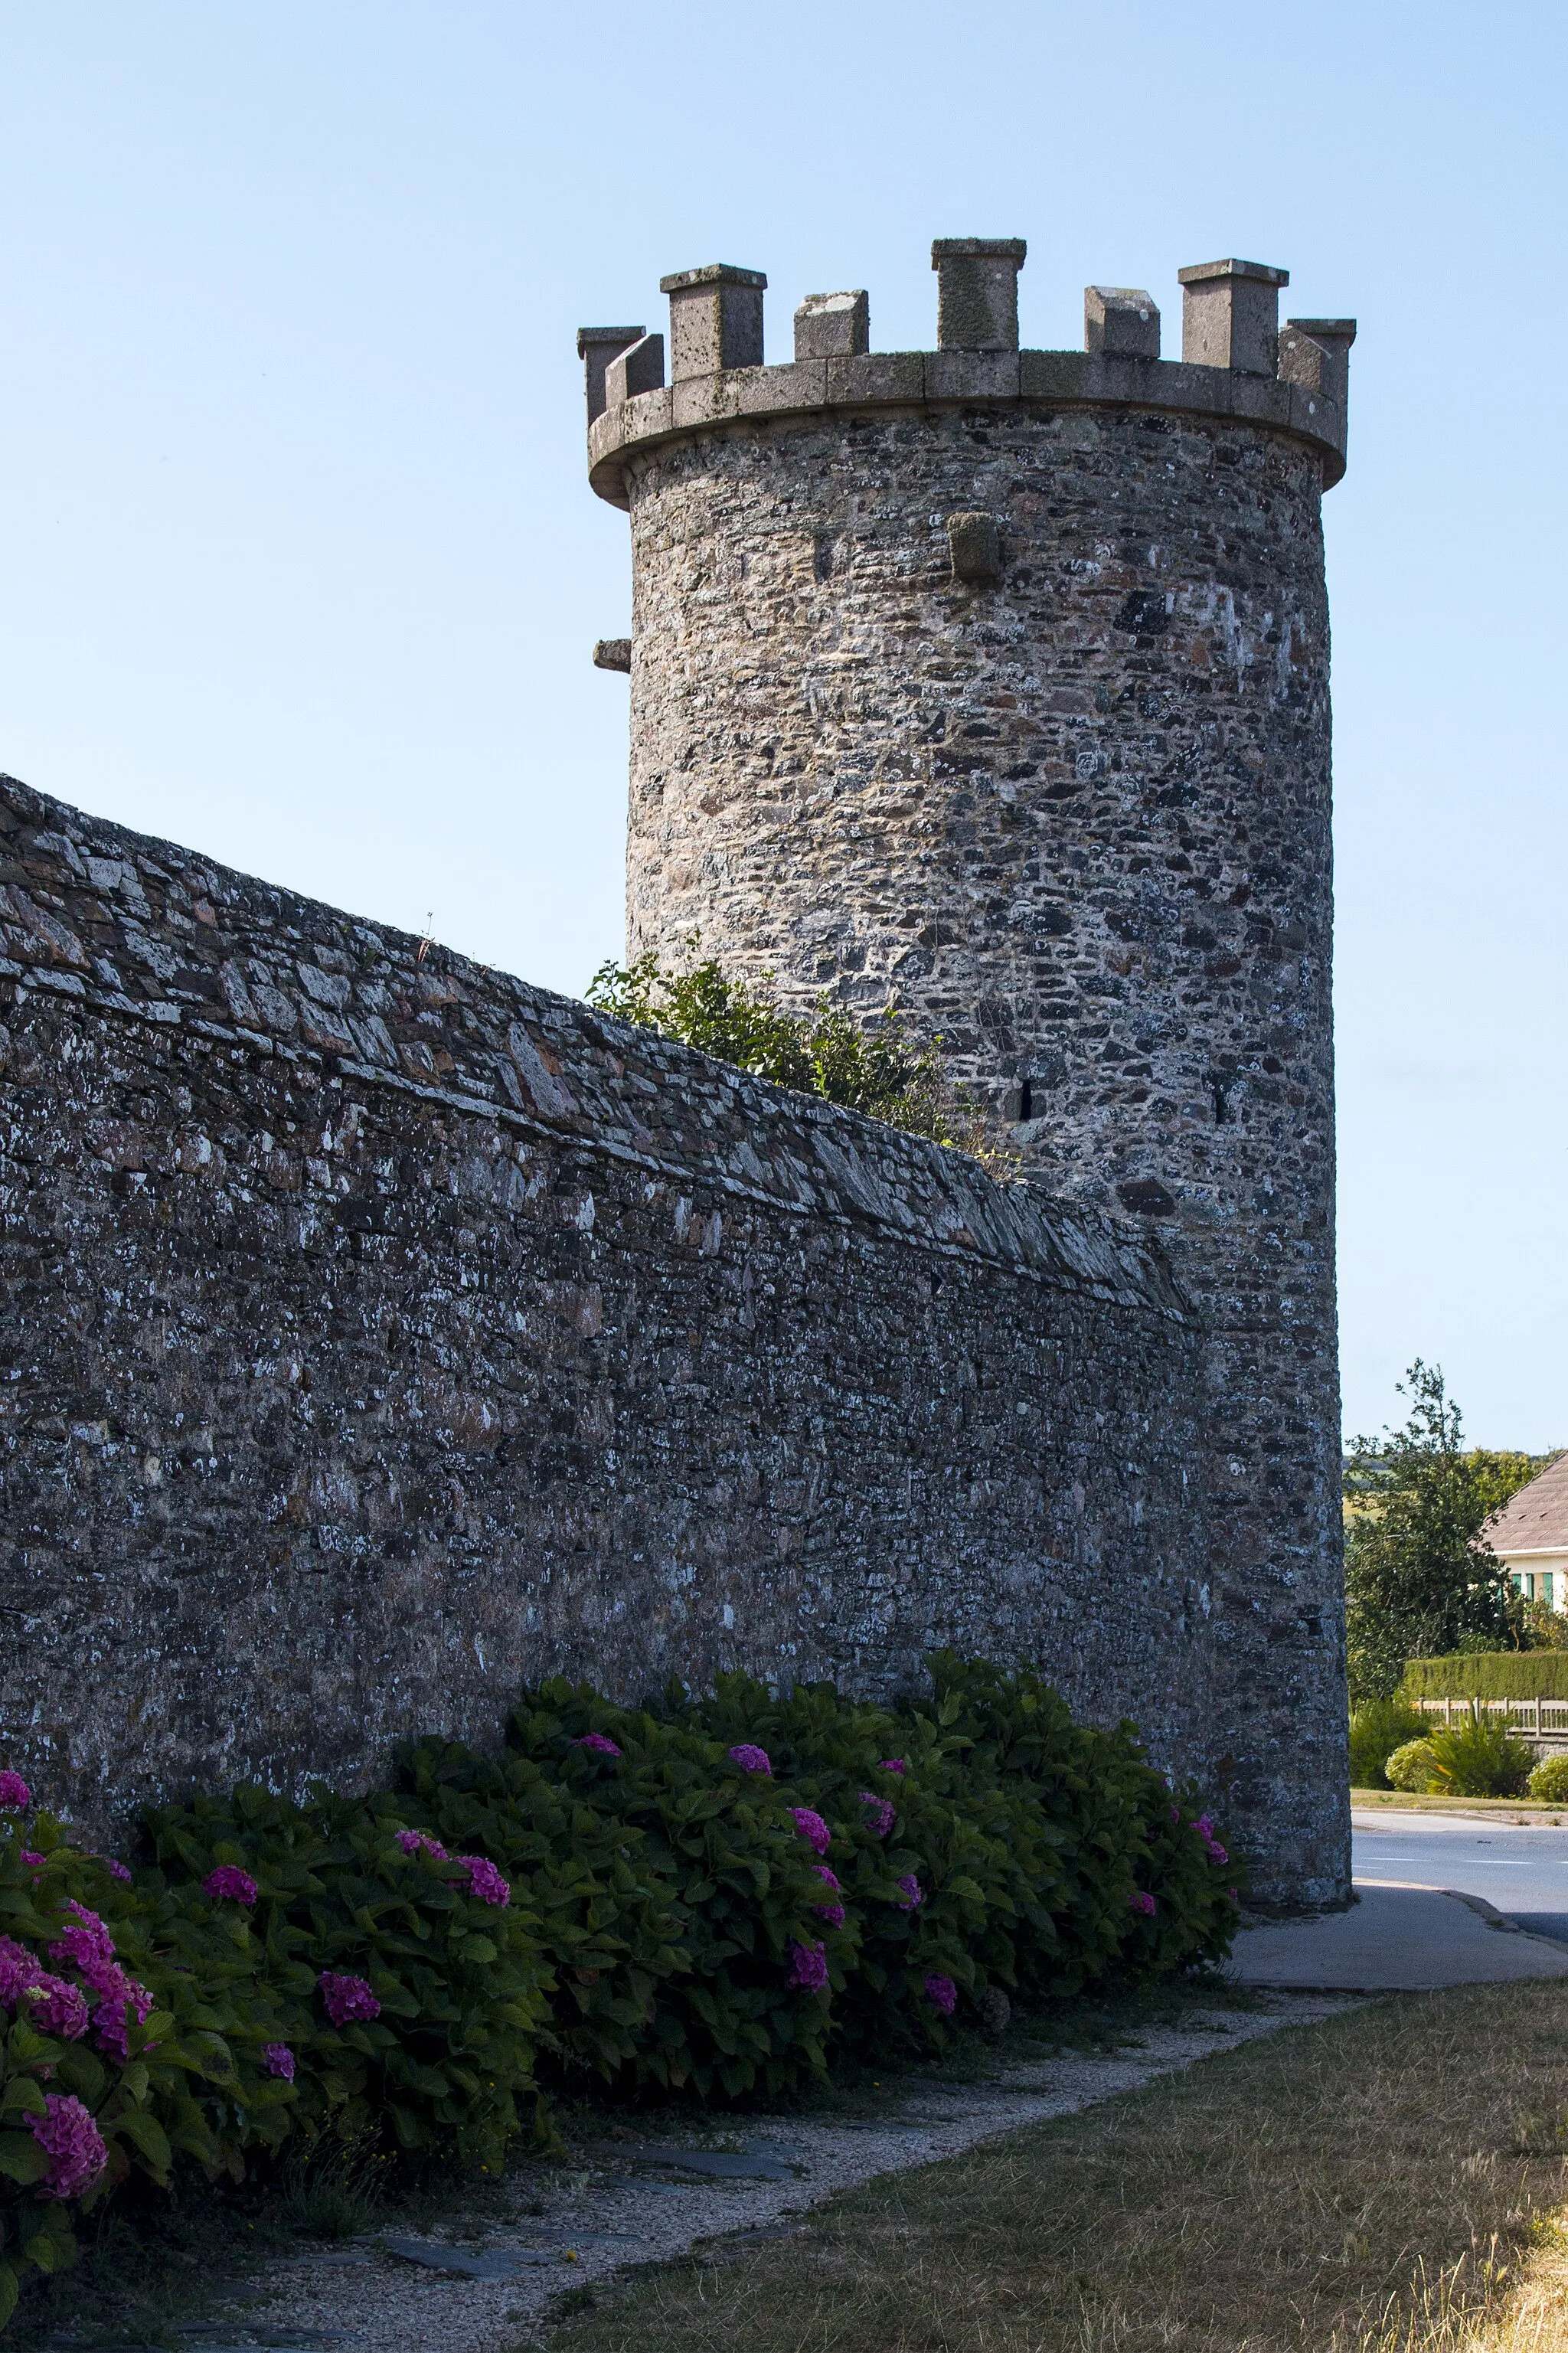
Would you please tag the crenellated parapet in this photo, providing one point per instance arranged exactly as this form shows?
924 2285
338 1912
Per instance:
1237 362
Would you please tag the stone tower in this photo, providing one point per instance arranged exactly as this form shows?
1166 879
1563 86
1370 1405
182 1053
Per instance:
997 681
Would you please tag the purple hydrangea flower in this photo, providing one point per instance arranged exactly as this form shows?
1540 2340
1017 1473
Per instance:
1175 1813
347 1998
118 1995
832 1913
1142 1901
912 1893
33 1862
751 1760
56 2007
1216 1852
14 1794
412 1841
72 2143
84 1940
230 1884
484 1880
881 1813
115 1868
892 1765
279 2060
943 1993
599 1745
812 1826
19 1969
808 1967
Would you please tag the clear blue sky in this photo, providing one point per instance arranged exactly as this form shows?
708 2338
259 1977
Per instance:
301 565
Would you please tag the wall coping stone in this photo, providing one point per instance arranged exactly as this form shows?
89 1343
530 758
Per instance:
147 932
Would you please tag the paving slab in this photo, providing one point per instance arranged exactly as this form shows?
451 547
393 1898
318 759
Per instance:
1395 1939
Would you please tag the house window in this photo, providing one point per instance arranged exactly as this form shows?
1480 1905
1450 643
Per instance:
1524 1584
1547 1588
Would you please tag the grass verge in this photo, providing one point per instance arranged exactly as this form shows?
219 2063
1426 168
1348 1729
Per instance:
1384 2180
1494 1809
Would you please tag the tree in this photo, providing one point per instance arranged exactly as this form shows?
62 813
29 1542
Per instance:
1420 1579
874 1067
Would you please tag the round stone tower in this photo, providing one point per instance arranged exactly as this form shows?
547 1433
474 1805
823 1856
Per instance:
996 681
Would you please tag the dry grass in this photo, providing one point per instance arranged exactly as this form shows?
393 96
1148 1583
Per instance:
1383 2182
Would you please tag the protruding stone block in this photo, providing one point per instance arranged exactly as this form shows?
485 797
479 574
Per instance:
1122 321
715 320
639 369
832 326
976 546
1230 315
977 292
1333 337
596 347
612 653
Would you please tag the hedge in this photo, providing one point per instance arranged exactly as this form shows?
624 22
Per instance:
1488 1674
718 1897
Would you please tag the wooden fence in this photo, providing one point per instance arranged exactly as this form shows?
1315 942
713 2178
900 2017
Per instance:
1528 1719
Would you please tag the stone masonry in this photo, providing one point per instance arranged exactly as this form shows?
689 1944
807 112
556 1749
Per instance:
377 1332
995 681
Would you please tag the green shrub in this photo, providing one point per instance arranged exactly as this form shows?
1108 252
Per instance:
1549 1782
638 1893
747 2009
1412 1768
456 1977
1488 1674
1478 1760
1377 1729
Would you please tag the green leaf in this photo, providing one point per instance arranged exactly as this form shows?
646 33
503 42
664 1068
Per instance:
146 2134
21 2158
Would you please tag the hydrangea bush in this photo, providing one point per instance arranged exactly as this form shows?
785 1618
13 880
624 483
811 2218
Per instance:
705 1894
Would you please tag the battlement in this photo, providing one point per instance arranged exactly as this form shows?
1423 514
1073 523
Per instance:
1237 362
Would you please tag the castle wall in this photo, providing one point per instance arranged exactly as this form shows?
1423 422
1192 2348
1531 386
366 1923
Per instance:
376 1332
1075 815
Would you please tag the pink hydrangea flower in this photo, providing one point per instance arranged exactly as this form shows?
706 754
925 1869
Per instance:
881 1813
943 1994
892 1765
751 1760
72 2143
412 1841
1142 1901
14 1794
279 2060
84 1940
229 1885
599 1745
33 1862
347 1998
832 1913
484 1880
808 1967
812 1826
912 1893
56 2007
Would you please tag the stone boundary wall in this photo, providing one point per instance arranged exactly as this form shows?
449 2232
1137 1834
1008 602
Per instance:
379 1332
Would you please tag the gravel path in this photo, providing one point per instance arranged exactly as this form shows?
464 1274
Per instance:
610 2203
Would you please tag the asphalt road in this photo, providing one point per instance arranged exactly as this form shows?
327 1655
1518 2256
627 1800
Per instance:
1522 1869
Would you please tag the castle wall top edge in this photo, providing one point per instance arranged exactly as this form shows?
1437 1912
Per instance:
946 379
152 935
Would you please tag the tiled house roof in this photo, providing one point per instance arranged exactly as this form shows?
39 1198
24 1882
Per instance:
1536 1519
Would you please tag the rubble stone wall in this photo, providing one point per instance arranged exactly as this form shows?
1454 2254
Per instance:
377 1332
